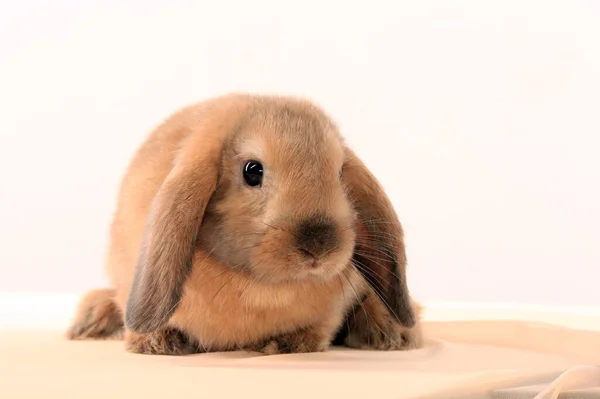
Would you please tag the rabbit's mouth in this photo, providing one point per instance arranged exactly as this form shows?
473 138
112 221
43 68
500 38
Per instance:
297 267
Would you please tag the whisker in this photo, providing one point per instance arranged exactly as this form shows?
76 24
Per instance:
349 227
223 286
372 273
365 311
271 226
250 234
387 305
382 257
377 221
357 296
328 252
383 235
368 245
374 260
375 323
250 246
339 278
347 316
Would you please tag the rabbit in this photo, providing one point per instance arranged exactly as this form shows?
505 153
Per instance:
245 222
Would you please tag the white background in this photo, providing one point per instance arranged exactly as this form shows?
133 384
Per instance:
481 119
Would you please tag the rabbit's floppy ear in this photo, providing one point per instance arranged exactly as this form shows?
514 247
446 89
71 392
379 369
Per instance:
379 253
169 240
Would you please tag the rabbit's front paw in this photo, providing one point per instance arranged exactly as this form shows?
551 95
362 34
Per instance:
168 341
301 341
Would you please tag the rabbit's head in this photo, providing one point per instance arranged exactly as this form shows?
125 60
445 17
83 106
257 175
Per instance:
280 210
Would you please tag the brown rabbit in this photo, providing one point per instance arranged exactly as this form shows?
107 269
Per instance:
245 222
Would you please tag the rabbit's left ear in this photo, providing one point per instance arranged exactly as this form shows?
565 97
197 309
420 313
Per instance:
171 232
379 253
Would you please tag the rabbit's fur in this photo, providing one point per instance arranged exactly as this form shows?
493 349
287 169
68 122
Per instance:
201 261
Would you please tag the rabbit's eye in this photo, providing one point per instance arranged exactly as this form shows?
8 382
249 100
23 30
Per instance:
253 173
340 173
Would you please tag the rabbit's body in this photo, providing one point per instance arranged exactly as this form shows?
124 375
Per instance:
201 261
244 312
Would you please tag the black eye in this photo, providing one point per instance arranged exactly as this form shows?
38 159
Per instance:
340 173
253 173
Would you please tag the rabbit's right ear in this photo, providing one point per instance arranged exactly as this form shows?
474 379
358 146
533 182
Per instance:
170 237
380 254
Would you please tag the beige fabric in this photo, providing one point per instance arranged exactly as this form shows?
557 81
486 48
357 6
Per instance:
461 359
577 382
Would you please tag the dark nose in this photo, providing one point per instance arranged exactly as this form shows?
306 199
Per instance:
316 236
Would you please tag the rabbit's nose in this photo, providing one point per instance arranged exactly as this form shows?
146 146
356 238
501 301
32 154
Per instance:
317 236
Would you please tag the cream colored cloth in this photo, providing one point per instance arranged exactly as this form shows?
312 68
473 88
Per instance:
478 359
575 383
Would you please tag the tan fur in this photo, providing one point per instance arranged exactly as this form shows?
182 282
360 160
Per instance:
201 263
97 317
